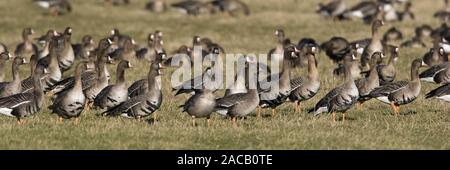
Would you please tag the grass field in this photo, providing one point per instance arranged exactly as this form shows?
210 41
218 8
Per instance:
425 124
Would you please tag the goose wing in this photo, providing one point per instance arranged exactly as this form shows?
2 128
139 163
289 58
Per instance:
102 95
137 87
323 104
388 88
125 106
440 91
297 82
16 100
432 71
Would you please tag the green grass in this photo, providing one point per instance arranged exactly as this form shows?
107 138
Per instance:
424 125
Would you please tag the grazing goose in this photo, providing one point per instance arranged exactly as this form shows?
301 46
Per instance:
278 95
26 48
45 40
367 84
13 87
154 46
375 44
83 49
392 34
435 56
361 10
441 93
400 92
157 6
336 48
145 104
342 97
387 72
56 7
67 55
4 56
25 104
70 103
241 104
415 42
439 74
444 14
307 87
113 95
230 7
333 9
140 87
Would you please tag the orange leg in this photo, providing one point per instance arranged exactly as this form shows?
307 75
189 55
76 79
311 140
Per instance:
274 112
343 117
334 116
360 105
208 121
395 108
258 111
77 121
193 121
233 121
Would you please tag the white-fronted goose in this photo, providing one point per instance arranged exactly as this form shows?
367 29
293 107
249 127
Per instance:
362 10
375 44
145 104
367 84
192 7
336 48
4 56
118 39
70 103
444 14
113 95
387 72
440 32
56 7
342 97
52 61
25 104
140 87
26 48
45 40
406 13
423 31
13 87
231 7
441 93
85 48
332 9
437 74
392 34
275 97
241 104
67 55
239 80
304 46
307 87
201 104
157 6
435 56
154 46
277 53
400 92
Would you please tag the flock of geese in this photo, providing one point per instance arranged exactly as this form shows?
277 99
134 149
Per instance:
360 63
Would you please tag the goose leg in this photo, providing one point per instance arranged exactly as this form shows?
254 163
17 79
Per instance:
77 121
394 108
334 116
258 112
360 105
59 120
297 106
233 121
397 110
343 117
193 121
20 121
208 121
274 112
155 114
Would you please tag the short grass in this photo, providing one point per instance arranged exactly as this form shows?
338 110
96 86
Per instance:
425 124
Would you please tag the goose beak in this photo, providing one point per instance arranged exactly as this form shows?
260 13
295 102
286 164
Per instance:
424 64
9 55
382 55
24 61
133 42
129 65
110 60
163 56
161 66
46 71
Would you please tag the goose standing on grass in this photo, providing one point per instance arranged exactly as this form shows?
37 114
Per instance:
342 97
85 48
4 56
140 87
333 9
367 84
145 104
375 44
70 103
336 48
392 34
26 49
441 93
307 87
45 40
400 92
241 104
437 74
387 73
278 51
27 84
118 39
25 104
154 46
126 52
51 60
113 95
435 56
67 55
275 97
13 87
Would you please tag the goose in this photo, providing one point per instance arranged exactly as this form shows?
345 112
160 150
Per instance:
157 6
85 48
276 54
191 7
67 55
26 103
439 74
70 103
118 39
392 34
444 14
387 72
239 80
336 48
27 84
415 42
45 40
4 56
334 8
209 45
126 52
441 93
3 48
440 32
154 46
355 66
113 95
435 56
13 87
241 104
90 74
51 60
56 7
140 87
27 47
423 31
201 104
400 92
374 45
361 10
230 7
406 13
342 97
303 45
307 86
275 97
145 104
367 84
